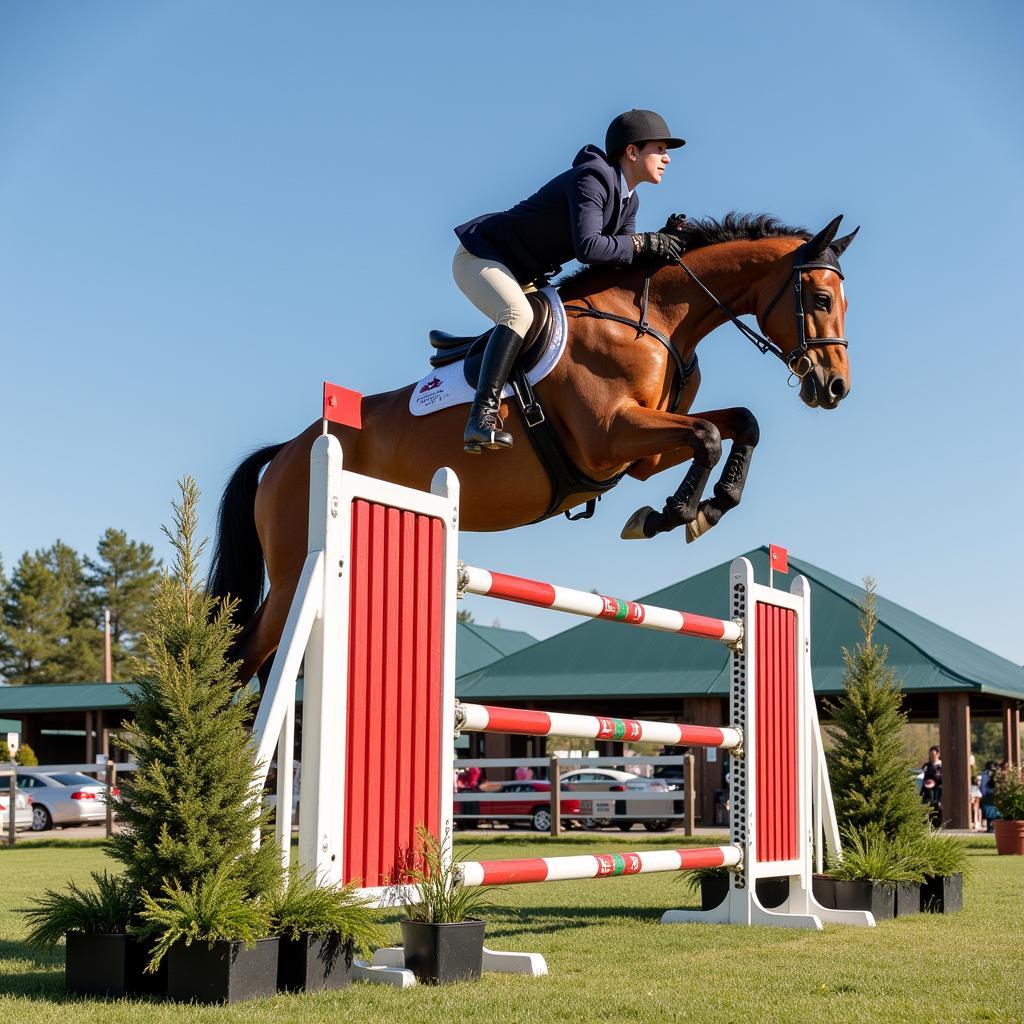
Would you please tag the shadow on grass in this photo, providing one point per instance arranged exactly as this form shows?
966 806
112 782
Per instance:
44 980
548 919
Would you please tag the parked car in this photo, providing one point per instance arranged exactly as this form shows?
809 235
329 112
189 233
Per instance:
656 816
535 804
22 810
63 798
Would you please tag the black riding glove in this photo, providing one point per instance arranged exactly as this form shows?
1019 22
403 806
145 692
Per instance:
659 245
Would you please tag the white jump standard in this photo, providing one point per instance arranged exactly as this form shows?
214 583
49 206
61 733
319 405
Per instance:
373 620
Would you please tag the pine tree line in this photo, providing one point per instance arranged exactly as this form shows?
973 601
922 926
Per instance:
51 610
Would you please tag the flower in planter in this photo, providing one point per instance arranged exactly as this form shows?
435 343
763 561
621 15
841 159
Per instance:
1008 795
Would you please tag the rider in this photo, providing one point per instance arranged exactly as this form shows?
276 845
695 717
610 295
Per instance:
588 213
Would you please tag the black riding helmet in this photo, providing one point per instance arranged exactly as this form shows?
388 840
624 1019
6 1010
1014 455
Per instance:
638 126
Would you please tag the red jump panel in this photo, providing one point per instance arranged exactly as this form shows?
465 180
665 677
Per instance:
776 745
393 738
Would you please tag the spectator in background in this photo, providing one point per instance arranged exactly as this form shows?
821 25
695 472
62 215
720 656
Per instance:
931 790
975 803
522 773
988 792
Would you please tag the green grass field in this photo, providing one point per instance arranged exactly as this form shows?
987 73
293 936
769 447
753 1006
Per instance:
609 958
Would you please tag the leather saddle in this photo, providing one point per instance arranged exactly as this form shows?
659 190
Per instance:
451 348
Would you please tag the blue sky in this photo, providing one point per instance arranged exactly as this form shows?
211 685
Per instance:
206 209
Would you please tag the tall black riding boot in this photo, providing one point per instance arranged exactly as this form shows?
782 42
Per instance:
484 429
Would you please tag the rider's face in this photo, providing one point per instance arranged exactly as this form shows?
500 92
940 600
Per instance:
651 161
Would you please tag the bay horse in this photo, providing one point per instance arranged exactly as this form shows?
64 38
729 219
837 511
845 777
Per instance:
608 397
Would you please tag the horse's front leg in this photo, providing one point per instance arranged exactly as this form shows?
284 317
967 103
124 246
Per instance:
739 425
656 440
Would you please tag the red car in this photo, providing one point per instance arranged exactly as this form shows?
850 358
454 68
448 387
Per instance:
535 805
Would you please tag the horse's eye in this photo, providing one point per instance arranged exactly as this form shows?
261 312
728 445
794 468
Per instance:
823 302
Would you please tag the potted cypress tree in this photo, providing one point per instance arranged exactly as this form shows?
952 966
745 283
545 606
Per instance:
875 797
320 928
442 937
1009 802
188 813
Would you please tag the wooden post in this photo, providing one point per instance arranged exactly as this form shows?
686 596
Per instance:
1011 732
12 799
689 794
90 746
955 751
555 776
111 770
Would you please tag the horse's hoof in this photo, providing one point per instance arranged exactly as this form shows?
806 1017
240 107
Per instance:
698 527
634 528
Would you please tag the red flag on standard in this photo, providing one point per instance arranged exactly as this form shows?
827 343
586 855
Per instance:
778 558
343 406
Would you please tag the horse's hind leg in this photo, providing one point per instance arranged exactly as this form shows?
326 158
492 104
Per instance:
652 441
658 441
740 425
259 638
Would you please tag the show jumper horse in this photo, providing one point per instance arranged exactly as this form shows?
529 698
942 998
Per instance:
608 397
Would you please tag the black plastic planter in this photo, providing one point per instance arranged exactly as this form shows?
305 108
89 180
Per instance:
772 892
96 965
942 894
878 897
226 972
111 965
713 891
823 889
441 953
311 964
908 898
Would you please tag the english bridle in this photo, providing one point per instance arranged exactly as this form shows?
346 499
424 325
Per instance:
798 361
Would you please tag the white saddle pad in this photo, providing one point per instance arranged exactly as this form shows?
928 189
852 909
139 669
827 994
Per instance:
446 386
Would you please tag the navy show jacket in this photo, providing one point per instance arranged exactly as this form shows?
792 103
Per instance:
577 215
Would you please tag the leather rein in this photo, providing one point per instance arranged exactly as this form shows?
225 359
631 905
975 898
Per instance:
797 361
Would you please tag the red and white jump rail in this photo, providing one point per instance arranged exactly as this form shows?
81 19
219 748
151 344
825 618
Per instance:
599 865
520 722
373 621
594 606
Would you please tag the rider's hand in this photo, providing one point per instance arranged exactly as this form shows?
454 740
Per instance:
660 245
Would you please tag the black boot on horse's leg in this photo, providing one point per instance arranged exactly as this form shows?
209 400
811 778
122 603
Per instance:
728 492
484 429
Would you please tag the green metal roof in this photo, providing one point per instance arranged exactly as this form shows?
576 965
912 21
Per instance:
478 646
605 659
9 725
64 697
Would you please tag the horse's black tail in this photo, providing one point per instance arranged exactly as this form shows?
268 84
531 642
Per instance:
236 570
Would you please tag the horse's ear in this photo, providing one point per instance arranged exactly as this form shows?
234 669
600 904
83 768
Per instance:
815 248
840 245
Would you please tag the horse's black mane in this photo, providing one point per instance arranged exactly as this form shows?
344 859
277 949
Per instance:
704 231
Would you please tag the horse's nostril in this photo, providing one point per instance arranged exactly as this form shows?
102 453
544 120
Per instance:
837 388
